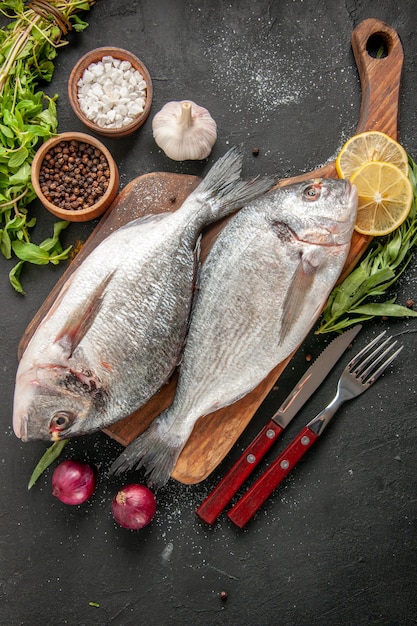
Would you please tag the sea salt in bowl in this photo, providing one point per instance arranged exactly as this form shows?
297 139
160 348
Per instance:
75 176
110 91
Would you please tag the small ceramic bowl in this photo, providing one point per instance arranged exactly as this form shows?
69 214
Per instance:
103 201
95 56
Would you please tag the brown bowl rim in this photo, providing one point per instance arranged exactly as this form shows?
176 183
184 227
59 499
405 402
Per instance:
92 57
94 210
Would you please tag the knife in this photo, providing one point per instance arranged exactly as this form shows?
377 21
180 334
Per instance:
366 369
216 501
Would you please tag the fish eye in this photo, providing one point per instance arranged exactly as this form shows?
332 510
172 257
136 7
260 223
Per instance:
61 420
312 192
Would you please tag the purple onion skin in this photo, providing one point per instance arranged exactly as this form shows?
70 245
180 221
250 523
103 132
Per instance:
134 506
73 482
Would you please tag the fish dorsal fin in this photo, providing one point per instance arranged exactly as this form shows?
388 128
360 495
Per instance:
301 283
81 319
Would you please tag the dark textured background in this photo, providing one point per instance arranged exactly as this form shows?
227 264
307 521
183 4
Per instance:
336 544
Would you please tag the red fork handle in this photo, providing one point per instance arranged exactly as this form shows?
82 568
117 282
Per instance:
221 495
246 507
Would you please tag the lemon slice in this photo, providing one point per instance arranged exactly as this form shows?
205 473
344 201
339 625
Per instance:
370 146
385 195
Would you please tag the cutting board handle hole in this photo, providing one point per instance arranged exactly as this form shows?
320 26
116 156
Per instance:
378 45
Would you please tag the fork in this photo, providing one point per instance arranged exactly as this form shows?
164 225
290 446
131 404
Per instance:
359 374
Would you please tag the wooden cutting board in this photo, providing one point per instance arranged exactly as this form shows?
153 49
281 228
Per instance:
215 434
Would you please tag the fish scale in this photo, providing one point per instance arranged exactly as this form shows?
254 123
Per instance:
291 243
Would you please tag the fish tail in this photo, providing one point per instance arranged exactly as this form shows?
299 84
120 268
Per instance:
224 185
153 451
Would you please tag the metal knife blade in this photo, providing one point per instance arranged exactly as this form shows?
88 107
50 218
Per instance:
216 501
313 377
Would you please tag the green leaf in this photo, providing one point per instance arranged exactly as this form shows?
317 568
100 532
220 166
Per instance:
36 132
78 24
5 244
7 132
60 256
22 176
385 309
16 223
30 252
48 116
14 277
392 249
51 454
51 242
8 118
18 157
381 279
28 107
19 120
46 68
343 323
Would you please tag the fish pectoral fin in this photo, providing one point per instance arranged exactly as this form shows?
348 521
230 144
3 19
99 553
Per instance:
81 319
301 284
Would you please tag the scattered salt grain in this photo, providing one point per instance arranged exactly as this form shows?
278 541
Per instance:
111 93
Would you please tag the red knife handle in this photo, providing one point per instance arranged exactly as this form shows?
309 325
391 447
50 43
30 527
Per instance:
246 507
221 495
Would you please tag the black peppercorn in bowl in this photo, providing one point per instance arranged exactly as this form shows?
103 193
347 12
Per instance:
75 176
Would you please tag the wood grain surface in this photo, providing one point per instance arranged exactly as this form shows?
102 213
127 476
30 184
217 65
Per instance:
215 434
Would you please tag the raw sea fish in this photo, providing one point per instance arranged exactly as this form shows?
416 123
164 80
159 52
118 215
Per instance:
115 333
262 287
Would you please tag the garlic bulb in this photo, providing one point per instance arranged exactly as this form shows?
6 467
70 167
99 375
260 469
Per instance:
184 130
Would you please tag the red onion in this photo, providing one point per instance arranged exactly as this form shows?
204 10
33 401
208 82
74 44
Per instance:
134 506
73 482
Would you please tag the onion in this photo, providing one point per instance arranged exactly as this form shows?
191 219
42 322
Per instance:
134 506
73 482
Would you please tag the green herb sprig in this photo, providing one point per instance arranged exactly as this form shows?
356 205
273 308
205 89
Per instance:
28 46
49 456
353 300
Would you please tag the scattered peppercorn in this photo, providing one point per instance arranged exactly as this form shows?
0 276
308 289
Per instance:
74 175
255 151
409 303
223 595
308 358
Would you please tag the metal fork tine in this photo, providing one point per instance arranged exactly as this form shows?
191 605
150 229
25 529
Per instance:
384 365
374 358
358 357
359 374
